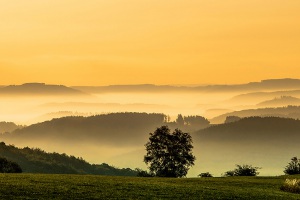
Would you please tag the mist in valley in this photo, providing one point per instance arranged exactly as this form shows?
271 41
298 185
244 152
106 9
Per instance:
84 122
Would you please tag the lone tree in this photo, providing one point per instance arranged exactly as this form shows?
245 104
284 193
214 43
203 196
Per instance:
180 120
169 154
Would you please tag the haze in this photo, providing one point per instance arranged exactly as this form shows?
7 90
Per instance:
146 62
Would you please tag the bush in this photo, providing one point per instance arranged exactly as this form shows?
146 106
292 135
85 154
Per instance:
293 167
142 173
205 174
291 185
243 170
229 173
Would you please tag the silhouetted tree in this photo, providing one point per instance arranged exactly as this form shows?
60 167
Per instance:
293 167
180 120
167 119
169 154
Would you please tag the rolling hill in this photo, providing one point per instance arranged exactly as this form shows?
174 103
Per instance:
39 89
267 142
119 138
98 139
264 85
253 128
39 161
285 112
257 97
113 129
280 101
8 127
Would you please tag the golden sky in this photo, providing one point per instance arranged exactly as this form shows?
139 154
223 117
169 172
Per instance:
102 42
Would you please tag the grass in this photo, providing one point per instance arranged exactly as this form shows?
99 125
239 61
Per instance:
291 185
42 186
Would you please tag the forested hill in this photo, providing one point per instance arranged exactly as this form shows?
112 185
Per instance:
280 101
286 112
267 142
38 161
253 129
111 129
8 127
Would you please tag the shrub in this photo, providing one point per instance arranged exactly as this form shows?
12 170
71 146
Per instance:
243 170
143 173
291 185
205 174
229 173
293 167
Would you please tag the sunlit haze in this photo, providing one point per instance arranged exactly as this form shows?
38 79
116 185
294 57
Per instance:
93 78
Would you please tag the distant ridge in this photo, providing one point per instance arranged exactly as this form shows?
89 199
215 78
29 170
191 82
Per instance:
39 89
280 101
264 85
262 96
8 127
133 88
285 112
253 129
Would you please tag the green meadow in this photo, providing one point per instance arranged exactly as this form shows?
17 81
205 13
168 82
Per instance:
43 186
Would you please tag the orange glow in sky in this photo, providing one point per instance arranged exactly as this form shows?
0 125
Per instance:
102 42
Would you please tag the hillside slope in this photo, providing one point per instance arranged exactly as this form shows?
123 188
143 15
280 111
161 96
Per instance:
8 127
113 129
267 142
256 97
98 139
39 161
280 101
287 112
253 128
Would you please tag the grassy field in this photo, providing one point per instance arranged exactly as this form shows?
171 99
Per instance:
36 186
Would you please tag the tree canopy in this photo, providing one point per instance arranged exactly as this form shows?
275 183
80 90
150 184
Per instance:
293 167
169 154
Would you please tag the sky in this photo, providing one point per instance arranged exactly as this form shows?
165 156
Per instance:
101 42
